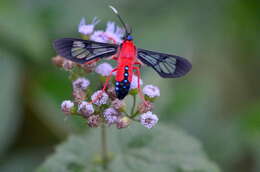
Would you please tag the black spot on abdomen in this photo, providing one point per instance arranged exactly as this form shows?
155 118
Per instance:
122 87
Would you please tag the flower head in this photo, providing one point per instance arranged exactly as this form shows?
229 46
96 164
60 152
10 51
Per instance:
111 115
79 95
99 36
134 83
66 106
67 64
58 60
80 83
118 104
87 29
148 119
114 33
104 69
85 108
123 122
151 91
94 121
99 98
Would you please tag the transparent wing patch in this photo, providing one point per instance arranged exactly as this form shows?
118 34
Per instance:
81 51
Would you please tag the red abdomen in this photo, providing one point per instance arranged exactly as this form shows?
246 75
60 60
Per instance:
126 59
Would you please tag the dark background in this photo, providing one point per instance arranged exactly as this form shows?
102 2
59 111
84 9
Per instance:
218 102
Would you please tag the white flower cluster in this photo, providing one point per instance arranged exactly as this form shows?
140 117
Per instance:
151 91
66 106
111 115
99 98
148 119
103 106
112 34
86 108
104 69
81 84
87 29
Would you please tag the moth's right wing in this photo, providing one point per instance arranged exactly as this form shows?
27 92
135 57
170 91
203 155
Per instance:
166 65
82 51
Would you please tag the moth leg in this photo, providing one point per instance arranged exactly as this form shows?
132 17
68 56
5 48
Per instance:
105 85
114 58
92 61
137 70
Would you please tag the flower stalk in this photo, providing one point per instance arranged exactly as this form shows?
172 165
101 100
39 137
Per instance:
104 152
134 104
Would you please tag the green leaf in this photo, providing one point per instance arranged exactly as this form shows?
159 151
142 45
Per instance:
136 148
10 105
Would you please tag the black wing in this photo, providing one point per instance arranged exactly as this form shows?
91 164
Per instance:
81 51
166 65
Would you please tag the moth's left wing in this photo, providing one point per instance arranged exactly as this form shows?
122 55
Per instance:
166 65
81 51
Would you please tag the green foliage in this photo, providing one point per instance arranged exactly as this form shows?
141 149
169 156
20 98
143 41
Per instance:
163 148
9 106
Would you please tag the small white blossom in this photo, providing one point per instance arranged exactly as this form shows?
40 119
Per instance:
66 106
151 91
80 83
148 119
134 83
99 98
111 115
113 34
87 29
99 36
85 108
104 69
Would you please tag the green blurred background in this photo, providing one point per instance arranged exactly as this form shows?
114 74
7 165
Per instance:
218 102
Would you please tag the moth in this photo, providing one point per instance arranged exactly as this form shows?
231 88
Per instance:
129 58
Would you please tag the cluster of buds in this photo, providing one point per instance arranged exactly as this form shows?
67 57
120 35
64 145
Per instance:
98 106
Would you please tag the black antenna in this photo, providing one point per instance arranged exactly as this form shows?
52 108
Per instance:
121 20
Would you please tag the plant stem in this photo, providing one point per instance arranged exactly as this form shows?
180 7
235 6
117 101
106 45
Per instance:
134 104
104 147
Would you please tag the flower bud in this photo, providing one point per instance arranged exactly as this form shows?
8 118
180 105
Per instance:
94 121
80 83
58 61
99 98
144 107
67 65
67 106
86 109
123 122
79 95
111 115
118 105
